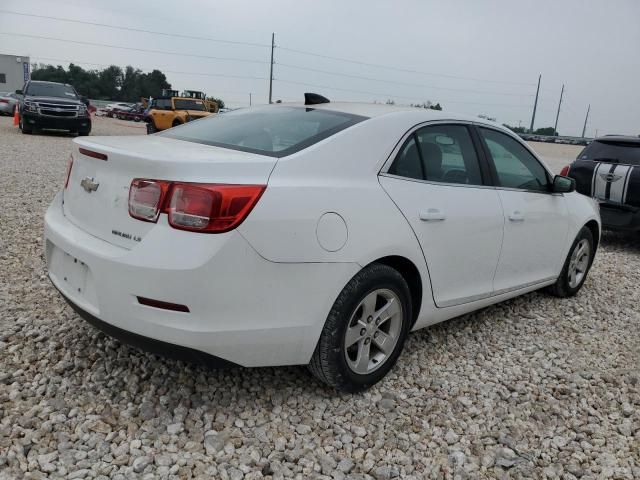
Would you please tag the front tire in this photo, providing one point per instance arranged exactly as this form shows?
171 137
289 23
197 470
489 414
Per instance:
576 266
23 129
151 128
365 330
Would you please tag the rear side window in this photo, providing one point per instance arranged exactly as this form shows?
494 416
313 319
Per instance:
515 166
439 153
615 152
273 131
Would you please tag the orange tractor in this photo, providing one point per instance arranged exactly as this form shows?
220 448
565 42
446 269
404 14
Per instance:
172 109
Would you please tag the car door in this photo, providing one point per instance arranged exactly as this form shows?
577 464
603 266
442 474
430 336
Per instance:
437 181
536 220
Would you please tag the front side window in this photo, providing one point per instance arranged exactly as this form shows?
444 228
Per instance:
515 166
439 153
273 131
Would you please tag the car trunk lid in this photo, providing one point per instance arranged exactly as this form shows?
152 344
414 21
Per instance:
97 195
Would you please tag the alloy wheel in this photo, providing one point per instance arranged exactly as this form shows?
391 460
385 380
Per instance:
579 263
373 331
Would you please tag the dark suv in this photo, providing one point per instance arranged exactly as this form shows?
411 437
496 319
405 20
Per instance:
608 169
55 106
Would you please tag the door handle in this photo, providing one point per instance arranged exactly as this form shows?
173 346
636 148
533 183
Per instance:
432 215
516 216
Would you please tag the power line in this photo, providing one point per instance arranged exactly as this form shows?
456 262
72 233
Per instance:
361 77
139 30
79 42
389 95
398 69
156 67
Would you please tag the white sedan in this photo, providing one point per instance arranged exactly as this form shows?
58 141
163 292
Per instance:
317 233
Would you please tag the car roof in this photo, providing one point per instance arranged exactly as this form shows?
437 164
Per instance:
618 139
52 83
372 110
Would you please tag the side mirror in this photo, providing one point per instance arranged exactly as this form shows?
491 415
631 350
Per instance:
563 184
19 92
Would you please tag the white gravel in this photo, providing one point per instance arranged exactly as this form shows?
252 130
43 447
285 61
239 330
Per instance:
536 387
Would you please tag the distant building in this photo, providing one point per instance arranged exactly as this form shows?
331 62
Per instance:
14 71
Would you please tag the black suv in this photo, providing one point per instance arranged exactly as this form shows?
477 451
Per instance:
609 170
55 106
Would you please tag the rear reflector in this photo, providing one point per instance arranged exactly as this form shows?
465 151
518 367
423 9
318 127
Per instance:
196 207
149 302
91 153
565 170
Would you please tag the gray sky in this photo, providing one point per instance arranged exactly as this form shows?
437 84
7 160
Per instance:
474 57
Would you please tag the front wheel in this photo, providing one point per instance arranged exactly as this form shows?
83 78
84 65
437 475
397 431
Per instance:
576 266
365 330
151 128
23 129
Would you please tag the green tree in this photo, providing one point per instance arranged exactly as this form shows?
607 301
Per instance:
219 101
546 131
111 83
515 129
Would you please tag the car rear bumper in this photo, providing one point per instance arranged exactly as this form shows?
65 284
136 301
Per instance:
242 308
6 107
618 217
55 123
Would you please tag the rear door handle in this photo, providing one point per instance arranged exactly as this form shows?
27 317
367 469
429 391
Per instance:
432 215
516 216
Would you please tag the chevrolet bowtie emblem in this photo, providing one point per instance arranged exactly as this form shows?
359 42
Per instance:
89 184
610 177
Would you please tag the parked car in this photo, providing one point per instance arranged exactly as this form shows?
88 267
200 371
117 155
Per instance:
171 111
8 102
111 108
50 105
316 233
608 169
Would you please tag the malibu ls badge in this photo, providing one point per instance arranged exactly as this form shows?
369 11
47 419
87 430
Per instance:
89 184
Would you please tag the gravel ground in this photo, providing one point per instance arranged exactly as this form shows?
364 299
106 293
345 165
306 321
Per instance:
535 387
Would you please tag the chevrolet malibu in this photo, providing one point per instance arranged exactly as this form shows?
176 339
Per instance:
317 234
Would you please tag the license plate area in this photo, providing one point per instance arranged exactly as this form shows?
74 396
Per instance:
72 277
74 274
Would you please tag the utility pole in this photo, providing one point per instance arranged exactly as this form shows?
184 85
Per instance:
555 128
273 45
249 98
585 120
535 105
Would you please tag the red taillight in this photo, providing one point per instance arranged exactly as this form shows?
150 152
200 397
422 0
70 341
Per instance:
565 170
2 100
68 174
197 207
146 199
211 208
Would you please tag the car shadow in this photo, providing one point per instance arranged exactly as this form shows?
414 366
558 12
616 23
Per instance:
628 241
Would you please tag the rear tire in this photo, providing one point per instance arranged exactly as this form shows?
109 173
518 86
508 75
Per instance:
376 293
576 266
176 123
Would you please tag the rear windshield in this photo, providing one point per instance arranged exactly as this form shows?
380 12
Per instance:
616 152
184 104
50 90
274 131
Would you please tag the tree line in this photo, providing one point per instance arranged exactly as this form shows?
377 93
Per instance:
110 83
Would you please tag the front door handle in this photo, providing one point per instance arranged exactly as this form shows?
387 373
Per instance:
432 215
516 216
